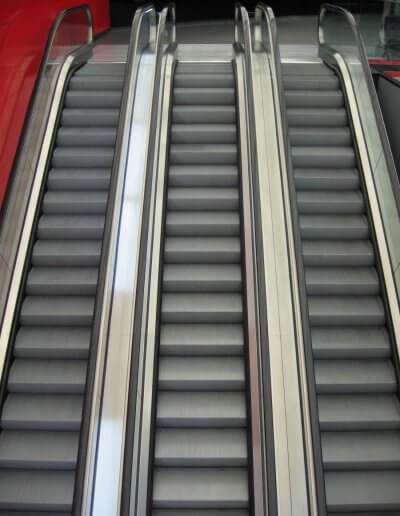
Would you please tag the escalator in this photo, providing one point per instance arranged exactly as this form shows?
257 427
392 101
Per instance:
200 463
353 362
42 411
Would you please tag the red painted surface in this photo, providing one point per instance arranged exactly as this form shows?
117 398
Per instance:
24 29
392 73
389 62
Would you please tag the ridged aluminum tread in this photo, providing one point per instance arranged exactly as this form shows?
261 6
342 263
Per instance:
356 383
41 415
200 458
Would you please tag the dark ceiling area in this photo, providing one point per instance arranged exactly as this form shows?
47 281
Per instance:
186 11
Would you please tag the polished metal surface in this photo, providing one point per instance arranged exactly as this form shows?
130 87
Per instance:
378 167
141 451
105 456
261 488
293 443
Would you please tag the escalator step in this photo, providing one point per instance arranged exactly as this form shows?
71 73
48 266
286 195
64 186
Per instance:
354 376
207 224
335 227
200 448
339 253
326 179
199 198
334 343
314 157
346 311
38 490
203 115
86 136
356 412
314 99
202 409
204 96
361 450
20 449
342 281
201 374
317 117
74 203
71 227
202 278
87 99
47 376
201 307
94 117
363 491
66 253
203 133
82 157
320 136
57 311
200 488
340 203
201 339
206 80
202 250
52 342
200 175
81 179
42 412
201 154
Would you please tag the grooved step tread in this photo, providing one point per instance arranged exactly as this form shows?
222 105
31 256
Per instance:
202 278
201 374
201 307
198 198
200 488
342 281
355 376
62 281
339 253
361 450
188 250
42 412
38 450
200 448
201 339
47 376
202 175
359 412
66 253
52 342
368 342
201 409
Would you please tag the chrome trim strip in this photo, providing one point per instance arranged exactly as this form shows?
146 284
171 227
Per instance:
106 440
262 441
294 450
143 402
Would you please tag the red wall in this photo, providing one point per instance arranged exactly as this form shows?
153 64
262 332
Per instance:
24 29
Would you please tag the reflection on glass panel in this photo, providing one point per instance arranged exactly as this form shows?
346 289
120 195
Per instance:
379 23
338 32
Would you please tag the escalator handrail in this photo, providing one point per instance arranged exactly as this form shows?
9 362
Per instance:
58 21
39 163
367 75
138 42
260 430
313 454
386 231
